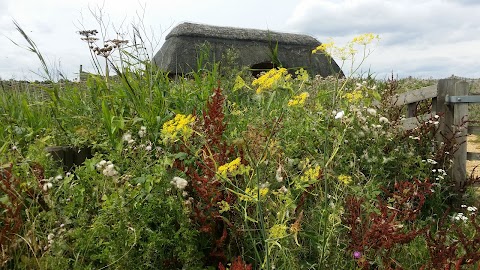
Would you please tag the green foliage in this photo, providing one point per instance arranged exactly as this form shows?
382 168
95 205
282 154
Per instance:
187 175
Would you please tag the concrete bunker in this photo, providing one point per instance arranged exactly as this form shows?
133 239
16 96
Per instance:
257 49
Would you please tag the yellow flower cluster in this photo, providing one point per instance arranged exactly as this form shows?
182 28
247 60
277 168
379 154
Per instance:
181 125
272 79
277 231
252 194
345 179
298 100
365 39
324 47
224 206
330 49
354 96
239 83
309 176
233 168
348 51
301 75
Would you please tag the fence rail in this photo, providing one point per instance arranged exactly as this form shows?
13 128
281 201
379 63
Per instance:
450 99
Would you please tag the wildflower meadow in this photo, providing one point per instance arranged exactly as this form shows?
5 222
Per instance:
218 169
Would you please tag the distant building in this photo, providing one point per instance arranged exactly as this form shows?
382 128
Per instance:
257 49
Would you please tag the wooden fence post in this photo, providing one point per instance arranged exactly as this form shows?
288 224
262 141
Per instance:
453 126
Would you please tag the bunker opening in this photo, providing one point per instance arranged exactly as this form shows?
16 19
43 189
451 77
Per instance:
258 68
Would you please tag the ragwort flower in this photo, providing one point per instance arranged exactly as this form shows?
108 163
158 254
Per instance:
254 194
298 100
324 47
278 231
309 177
301 75
233 168
354 96
272 79
345 179
181 125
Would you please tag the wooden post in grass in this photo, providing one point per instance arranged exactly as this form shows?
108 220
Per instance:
454 125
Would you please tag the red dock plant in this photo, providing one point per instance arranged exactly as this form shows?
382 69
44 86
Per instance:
208 191
446 253
237 264
380 231
11 216
17 197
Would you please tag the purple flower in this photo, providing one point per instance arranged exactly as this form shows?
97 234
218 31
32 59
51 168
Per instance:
357 254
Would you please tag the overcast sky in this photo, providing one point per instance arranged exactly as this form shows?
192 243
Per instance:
423 39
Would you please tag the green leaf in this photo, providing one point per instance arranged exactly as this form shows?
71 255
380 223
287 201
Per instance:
140 179
180 156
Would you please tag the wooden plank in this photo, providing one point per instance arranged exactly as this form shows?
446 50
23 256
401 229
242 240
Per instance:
434 105
473 156
415 95
413 122
460 114
474 130
412 109
445 126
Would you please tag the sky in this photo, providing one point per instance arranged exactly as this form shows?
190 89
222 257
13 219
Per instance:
422 39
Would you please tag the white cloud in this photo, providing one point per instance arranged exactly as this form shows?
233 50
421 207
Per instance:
410 18
52 24
438 36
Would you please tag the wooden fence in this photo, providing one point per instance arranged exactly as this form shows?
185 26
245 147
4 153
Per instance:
450 99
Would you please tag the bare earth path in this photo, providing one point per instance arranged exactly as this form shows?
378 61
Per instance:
473 145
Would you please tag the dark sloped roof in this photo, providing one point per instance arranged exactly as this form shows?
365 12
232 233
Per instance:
179 53
209 31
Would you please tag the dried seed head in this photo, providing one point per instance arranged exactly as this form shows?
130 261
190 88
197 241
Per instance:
88 33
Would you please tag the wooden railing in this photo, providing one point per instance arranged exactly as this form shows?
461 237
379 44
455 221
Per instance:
450 99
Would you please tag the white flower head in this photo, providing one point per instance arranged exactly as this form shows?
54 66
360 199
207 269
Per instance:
372 111
278 174
47 186
179 182
142 132
50 237
127 137
101 164
431 161
283 190
107 168
339 115
383 120
460 217
109 171
471 209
